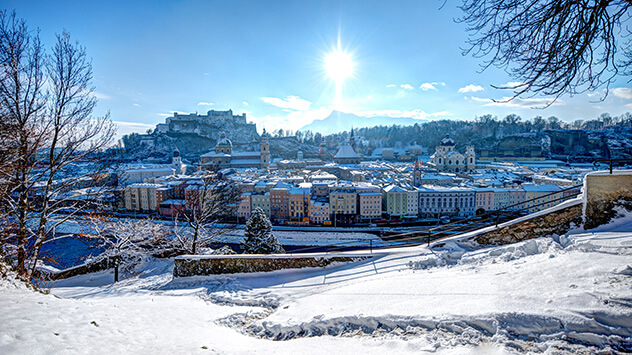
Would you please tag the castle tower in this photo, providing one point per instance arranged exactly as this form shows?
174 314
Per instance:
417 173
265 150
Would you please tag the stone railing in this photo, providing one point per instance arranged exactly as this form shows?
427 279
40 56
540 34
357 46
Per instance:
193 265
606 195
557 222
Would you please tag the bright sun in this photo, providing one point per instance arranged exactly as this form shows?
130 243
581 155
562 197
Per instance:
338 65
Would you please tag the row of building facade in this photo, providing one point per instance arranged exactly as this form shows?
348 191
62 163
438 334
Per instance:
342 203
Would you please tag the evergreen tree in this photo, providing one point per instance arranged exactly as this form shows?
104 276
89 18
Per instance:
258 237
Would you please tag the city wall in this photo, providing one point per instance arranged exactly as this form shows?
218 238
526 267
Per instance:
555 223
193 265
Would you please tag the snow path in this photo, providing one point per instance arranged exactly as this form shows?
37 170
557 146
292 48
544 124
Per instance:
570 293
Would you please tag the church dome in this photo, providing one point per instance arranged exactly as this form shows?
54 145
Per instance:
223 141
447 141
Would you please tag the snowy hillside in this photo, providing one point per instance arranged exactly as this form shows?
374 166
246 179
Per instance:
571 293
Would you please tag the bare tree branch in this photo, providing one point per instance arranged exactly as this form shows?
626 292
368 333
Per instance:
552 47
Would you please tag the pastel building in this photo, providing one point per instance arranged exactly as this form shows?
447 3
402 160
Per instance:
244 206
538 196
484 200
502 198
516 197
298 198
261 200
369 205
319 211
412 209
279 203
143 197
395 200
342 202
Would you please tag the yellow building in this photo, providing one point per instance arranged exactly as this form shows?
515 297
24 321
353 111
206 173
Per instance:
143 197
538 193
298 199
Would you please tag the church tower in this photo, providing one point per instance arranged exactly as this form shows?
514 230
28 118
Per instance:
470 158
176 162
417 173
352 142
265 150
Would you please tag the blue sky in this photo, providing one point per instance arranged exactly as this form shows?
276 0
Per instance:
266 58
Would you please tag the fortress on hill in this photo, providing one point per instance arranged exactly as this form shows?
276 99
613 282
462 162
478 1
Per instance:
192 122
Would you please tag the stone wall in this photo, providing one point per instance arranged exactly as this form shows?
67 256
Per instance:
231 264
558 222
606 195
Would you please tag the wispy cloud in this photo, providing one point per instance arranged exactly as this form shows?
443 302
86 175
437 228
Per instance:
202 103
471 88
622 93
431 86
391 85
519 102
244 103
101 96
164 114
511 84
406 87
137 105
123 128
290 102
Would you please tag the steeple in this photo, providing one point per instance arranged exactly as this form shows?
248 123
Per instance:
352 140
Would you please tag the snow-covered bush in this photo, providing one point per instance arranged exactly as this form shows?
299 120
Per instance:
258 237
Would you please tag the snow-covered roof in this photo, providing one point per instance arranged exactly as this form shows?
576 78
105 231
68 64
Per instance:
247 154
173 202
253 162
212 154
447 141
346 151
144 184
394 188
540 188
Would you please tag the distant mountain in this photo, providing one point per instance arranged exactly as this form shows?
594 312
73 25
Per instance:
339 121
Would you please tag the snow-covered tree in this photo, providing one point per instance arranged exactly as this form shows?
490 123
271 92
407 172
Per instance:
258 237
128 242
215 200
46 106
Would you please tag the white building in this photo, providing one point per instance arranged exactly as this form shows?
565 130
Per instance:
413 203
437 201
446 158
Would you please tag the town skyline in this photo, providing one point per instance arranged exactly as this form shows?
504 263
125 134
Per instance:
270 62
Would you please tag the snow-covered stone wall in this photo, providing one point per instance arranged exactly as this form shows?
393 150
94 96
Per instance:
606 195
192 265
557 222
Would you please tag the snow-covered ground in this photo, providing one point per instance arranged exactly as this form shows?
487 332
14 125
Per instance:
570 293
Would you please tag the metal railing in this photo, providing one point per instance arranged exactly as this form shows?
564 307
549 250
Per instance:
611 162
462 226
